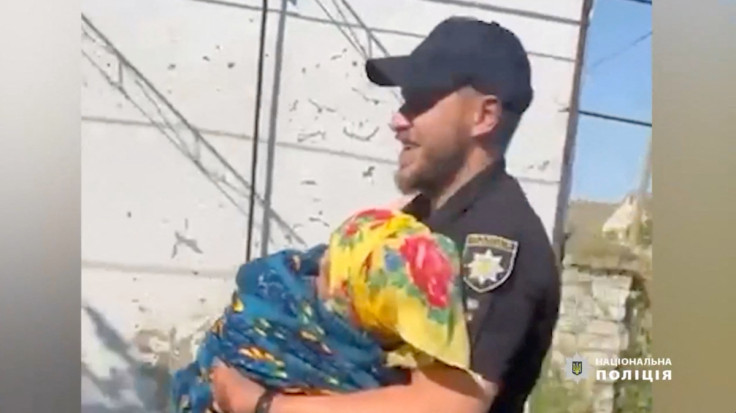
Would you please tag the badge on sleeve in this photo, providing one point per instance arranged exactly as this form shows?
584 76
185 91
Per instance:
488 261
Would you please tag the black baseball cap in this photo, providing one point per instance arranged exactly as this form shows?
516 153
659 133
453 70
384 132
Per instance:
458 52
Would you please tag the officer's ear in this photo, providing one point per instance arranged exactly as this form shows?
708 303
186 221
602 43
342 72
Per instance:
487 114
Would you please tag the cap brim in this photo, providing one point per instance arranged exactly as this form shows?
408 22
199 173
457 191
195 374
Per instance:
388 71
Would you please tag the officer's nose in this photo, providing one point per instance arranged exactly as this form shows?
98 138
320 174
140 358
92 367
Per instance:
399 122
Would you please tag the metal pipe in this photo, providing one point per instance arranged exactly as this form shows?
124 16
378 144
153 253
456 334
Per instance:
558 235
615 118
256 129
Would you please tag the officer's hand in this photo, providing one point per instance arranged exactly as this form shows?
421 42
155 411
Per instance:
233 393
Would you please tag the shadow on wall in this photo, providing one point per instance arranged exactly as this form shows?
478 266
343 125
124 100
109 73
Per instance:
113 388
142 385
151 103
348 28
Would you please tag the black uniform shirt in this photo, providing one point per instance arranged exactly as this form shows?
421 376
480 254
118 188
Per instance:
511 279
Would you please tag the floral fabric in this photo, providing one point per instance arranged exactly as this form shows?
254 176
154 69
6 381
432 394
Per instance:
393 303
392 276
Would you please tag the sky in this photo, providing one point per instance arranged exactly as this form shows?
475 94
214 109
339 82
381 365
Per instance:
617 80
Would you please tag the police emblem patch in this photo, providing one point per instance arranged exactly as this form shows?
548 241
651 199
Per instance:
488 261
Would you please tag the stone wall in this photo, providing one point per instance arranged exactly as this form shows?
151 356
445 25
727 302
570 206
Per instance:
600 317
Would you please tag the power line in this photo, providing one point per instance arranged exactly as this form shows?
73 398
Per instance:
621 51
615 118
648 2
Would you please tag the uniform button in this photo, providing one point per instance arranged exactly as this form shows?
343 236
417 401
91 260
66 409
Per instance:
471 305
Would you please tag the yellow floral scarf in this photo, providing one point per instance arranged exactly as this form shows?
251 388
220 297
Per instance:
392 276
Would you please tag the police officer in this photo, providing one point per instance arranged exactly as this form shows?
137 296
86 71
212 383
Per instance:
465 88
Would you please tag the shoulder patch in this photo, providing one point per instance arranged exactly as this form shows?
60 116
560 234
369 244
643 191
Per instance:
488 261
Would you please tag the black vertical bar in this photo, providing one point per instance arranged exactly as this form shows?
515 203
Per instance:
558 235
256 128
278 62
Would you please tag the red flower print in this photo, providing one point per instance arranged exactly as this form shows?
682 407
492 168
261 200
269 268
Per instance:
376 214
351 228
373 217
429 268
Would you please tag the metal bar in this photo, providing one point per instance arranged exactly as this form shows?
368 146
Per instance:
615 118
256 130
278 63
483 5
558 232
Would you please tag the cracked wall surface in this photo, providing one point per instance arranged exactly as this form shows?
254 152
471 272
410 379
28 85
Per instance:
168 99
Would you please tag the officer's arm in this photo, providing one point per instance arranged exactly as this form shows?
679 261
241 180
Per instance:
439 389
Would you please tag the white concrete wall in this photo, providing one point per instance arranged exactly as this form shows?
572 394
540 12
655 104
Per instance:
165 211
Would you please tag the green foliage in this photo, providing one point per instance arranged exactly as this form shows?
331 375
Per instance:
647 233
636 396
555 394
598 248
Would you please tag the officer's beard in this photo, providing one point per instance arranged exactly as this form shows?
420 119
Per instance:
433 172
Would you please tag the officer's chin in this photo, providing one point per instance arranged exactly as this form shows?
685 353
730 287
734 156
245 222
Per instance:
405 181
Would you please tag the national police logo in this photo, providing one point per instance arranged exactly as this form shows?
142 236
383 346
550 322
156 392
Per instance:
576 368
488 261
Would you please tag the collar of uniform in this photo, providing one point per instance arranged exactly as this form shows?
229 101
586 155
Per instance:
458 202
